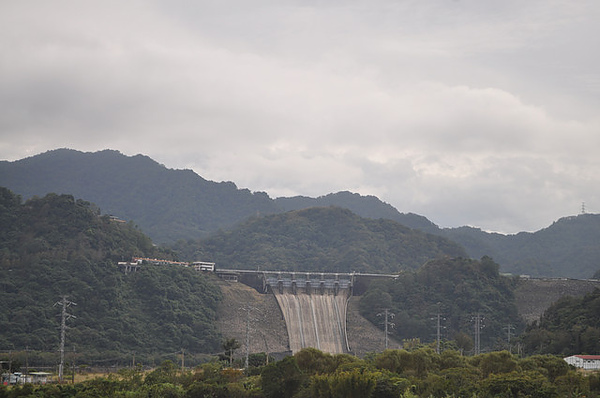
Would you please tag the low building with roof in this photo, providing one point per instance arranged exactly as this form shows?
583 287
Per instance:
586 362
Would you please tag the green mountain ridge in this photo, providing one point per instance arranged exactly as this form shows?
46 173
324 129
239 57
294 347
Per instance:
168 204
570 247
329 239
171 205
365 206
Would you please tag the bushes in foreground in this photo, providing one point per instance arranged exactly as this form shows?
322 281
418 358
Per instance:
313 374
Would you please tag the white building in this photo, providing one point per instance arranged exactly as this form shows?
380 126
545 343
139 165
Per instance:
203 266
587 362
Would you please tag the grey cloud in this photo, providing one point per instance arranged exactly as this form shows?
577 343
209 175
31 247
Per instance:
467 112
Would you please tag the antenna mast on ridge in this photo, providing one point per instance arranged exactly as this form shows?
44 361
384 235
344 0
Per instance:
582 207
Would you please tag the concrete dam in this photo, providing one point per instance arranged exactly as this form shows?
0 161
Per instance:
296 310
314 310
312 304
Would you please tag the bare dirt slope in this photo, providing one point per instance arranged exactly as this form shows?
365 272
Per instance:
534 296
267 327
363 336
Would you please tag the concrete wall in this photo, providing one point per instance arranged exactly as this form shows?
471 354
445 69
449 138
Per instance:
315 320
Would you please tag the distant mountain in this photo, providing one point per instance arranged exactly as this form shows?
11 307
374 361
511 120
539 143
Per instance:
170 205
328 239
365 206
570 247
167 204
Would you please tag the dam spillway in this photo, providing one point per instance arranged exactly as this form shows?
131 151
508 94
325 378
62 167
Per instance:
312 304
314 311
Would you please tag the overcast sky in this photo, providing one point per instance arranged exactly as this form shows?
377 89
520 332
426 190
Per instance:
469 112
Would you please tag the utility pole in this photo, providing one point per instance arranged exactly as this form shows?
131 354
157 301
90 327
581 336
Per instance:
386 323
27 361
73 368
64 303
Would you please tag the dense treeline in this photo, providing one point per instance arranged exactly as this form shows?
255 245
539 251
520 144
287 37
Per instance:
570 326
313 374
457 289
329 239
58 246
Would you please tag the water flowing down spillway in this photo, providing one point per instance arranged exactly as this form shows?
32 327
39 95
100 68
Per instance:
315 320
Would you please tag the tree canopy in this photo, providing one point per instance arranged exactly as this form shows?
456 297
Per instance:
390 374
57 246
329 239
457 289
570 326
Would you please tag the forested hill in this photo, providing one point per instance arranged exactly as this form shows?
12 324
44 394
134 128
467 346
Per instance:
170 205
167 204
570 247
55 246
457 289
571 325
365 206
329 239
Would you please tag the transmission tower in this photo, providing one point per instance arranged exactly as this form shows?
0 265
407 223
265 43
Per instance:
478 320
64 316
387 314
509 329
438 334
